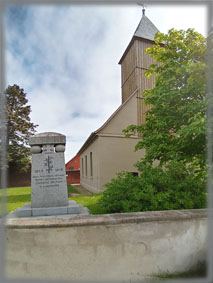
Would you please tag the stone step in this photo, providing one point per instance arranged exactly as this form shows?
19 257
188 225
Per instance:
27 211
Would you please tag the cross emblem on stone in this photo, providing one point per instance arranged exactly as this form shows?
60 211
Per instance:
48 163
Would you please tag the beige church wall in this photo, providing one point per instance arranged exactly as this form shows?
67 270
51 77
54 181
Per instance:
127 247
90 181
126 116
116 155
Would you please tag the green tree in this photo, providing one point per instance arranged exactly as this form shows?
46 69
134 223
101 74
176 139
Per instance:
19 128
175 127
174 133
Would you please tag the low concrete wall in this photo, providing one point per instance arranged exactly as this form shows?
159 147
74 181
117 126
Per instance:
125 247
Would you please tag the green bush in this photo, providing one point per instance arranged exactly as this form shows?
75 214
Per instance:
174 187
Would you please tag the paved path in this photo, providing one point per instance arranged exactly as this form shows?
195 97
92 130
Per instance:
81 190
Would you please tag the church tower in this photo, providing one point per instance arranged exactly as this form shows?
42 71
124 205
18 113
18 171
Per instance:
134 62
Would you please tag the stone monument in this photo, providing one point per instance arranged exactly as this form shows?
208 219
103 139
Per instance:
49 195
48 176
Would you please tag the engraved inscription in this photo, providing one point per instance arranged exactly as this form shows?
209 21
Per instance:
42 180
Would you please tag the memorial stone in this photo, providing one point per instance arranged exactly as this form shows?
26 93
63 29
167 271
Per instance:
48 177
49 196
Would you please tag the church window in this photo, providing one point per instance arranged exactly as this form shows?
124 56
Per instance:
86 165
91 165
135 174
82 165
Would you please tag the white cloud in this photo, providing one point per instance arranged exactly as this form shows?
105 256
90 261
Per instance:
67 62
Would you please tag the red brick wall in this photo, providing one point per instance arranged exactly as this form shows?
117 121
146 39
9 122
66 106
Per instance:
73 177
17 179
74 163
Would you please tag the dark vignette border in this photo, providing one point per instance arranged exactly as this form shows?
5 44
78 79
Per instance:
3 172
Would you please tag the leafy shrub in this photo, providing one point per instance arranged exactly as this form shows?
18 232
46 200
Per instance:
174 187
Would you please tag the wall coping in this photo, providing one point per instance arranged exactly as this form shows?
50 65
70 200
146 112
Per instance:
105 219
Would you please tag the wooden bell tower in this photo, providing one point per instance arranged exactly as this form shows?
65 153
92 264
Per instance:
135 62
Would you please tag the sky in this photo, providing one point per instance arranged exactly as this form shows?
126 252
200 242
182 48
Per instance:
66 60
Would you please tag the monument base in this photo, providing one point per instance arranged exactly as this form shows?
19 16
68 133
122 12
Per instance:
27 211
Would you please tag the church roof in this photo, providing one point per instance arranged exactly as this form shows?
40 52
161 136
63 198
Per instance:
94 134
145 30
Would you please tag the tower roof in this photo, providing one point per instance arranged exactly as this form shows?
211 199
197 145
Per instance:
145 30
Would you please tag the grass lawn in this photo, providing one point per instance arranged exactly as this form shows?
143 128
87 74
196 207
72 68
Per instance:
17 197
88 201
72 190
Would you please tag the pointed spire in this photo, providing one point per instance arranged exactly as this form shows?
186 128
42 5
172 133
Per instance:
146 29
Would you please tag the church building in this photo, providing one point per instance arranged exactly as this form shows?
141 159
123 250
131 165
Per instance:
107 151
